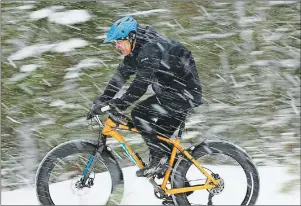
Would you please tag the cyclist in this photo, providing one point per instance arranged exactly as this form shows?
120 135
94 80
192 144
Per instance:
169 68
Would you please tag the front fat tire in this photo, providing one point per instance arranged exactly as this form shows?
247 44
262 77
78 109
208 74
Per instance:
217 147
73 147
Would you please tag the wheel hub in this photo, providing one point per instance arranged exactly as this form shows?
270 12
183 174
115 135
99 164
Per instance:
219 187
78 188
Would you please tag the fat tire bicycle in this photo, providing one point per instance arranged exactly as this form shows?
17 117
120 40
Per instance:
181 159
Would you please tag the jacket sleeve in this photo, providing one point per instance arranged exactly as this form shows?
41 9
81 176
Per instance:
148 62
122 74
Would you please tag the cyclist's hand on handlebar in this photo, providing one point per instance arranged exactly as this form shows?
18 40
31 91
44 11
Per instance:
98 107
95 108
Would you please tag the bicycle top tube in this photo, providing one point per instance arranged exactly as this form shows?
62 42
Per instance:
117 120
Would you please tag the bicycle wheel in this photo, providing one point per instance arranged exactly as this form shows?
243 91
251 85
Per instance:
59 173
238 174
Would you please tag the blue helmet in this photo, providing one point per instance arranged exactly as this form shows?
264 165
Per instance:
121 29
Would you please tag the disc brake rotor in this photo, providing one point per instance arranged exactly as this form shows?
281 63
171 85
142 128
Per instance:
77 187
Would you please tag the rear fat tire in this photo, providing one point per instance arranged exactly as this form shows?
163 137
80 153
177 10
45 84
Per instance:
69 148
217 147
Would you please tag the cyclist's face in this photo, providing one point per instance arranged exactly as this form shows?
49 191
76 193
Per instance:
124 46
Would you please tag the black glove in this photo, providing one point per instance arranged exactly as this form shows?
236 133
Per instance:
95 108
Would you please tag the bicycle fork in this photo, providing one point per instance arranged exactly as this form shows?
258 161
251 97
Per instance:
86 173
90 164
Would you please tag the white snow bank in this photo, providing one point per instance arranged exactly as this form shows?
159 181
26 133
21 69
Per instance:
248 20
283 63
25 7
72 75
63 17
45 12
271 179
281 2
101 36
69 45
40 14
62 104
211 36
290 63
38 49
146 12
69 17
28 2
32 50
257 52
18 77
89 62
28 68
74 72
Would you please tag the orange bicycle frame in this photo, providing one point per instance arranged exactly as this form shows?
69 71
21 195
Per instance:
110 130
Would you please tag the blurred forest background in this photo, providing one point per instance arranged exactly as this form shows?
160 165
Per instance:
53 64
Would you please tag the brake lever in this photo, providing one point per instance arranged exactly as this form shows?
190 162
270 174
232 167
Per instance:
96 117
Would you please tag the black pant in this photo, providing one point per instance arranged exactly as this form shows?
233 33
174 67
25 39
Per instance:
151 119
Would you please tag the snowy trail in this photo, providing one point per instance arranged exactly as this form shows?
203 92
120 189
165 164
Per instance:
271 180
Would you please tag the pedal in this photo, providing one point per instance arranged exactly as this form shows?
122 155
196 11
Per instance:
161 168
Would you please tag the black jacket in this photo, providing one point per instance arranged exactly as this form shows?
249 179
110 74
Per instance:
162 62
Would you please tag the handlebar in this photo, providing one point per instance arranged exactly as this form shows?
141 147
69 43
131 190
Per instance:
114 114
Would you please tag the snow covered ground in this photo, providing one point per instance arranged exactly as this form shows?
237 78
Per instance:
139 192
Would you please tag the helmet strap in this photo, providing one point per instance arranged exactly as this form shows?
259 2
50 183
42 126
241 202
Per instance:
132 38
133 43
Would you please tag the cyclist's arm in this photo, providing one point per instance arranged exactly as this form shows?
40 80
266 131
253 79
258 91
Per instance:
148 62
120 77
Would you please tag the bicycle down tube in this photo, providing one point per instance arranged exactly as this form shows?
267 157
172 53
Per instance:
109 129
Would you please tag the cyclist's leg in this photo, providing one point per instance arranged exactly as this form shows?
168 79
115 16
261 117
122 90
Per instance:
144 117
152 118
167 124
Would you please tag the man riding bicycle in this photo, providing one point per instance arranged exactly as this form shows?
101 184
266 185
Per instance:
166 65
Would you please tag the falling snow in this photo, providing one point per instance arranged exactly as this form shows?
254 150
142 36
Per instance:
54 64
